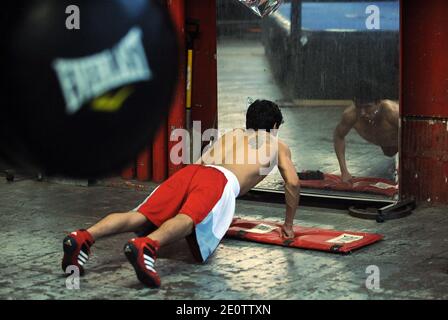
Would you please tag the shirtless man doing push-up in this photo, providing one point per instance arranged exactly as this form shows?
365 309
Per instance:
375 120
198 202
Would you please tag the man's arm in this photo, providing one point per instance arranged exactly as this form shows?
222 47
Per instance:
347 122
292 187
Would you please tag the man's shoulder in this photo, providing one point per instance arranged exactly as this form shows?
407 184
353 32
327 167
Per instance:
350 109
282 146
389 105
349 115
390 111
282 143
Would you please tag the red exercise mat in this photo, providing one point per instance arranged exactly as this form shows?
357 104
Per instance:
305 238
361 184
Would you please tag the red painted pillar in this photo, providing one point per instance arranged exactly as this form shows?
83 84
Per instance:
424 100
129 172
159 155
160 144
204 106
176 117
144 165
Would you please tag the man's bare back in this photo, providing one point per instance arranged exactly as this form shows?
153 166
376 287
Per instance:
249 154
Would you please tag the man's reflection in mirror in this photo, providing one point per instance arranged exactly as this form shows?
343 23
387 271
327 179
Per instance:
374 118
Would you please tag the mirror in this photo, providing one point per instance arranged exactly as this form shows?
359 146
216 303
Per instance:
333 69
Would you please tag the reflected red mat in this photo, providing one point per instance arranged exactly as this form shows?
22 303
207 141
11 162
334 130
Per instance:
305 238
362 184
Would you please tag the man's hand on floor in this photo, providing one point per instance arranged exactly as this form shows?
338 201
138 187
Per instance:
287 231
346 177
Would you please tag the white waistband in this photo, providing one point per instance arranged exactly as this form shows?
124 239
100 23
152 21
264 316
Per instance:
231 178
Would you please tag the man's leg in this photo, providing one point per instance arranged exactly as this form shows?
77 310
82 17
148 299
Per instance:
142 252
197 201
116 223
173 229
77 244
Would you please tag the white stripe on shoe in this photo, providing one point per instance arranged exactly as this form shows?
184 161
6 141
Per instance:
149 263
82 258
83 254
148 258
151 269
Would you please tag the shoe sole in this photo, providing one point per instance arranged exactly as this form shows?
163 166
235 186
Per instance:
131 253
69 249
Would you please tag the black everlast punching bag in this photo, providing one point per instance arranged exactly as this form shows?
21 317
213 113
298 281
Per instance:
83 96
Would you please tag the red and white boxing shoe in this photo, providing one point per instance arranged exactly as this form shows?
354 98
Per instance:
77 249
142 254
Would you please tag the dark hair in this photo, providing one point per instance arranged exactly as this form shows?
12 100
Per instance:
366 92
263 115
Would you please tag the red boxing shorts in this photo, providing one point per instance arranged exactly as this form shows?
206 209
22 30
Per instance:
204 193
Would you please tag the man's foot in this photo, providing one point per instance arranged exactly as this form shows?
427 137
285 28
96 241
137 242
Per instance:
77 249
142 254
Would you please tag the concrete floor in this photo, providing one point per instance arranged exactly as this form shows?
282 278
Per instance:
35 216
244 71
